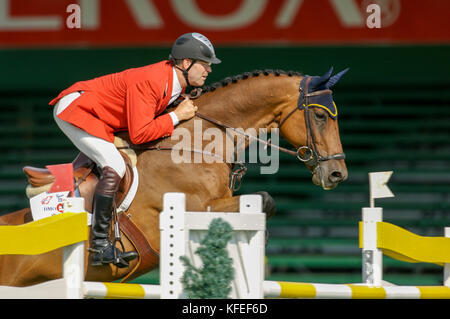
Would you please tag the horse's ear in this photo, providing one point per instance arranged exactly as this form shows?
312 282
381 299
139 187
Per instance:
324 78
335 78
318 82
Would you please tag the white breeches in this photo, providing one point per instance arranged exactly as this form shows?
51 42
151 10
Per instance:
102 152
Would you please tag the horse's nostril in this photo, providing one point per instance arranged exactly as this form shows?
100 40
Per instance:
335 176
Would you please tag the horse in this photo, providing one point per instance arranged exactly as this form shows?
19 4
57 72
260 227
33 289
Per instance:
299 107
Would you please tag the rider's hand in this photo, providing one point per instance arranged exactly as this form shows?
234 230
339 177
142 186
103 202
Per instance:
185 110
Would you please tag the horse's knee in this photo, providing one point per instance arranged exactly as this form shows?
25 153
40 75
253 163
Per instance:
269 206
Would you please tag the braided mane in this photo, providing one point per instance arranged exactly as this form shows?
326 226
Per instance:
246 75
239 77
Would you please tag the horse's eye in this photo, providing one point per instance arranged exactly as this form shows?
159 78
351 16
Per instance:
321 116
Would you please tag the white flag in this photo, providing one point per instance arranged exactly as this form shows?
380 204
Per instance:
378 187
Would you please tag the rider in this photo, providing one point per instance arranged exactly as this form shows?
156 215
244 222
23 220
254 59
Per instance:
90 112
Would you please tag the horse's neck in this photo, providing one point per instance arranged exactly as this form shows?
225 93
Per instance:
254 103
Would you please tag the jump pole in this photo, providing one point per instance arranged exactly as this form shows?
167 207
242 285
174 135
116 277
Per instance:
447 266
372 257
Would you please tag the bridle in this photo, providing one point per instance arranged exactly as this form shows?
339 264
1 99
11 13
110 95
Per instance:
309 153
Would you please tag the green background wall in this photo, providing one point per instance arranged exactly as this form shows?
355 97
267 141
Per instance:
47 69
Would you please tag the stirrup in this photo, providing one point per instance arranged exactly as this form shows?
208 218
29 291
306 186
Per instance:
125 256
117 259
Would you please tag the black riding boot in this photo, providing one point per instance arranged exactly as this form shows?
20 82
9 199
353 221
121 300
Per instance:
103 251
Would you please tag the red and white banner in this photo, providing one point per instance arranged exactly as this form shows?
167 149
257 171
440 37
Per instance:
93 23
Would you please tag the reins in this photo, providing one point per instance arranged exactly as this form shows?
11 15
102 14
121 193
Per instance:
219 123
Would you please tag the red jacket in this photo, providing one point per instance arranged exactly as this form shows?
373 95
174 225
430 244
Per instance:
129 100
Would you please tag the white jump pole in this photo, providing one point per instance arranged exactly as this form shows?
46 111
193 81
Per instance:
173 242
73 255
372 257
447 266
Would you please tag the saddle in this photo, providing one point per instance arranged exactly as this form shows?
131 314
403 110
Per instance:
86 176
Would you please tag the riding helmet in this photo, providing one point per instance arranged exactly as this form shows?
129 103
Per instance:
194 46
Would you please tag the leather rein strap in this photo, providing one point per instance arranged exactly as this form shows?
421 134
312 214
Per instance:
219 123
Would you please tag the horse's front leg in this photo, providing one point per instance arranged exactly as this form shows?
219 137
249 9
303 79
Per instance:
231 204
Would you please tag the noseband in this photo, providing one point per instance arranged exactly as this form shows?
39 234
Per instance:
309 153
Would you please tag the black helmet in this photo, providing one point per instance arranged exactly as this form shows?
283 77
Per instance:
194 46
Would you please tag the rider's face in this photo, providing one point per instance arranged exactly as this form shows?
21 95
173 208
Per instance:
199 72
